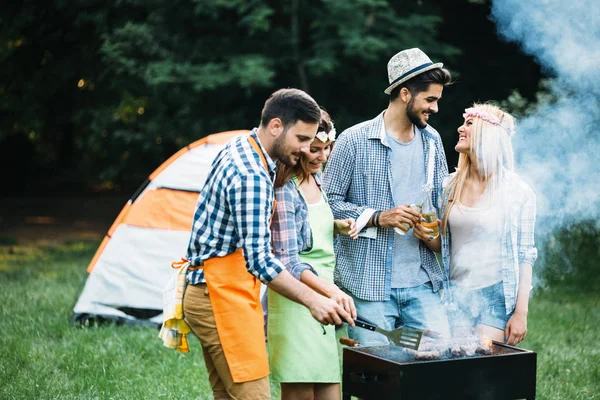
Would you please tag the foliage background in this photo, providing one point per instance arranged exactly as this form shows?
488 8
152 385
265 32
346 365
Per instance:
95 95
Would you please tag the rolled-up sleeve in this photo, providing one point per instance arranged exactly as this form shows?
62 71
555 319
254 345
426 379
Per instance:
250 198
288 235
526 242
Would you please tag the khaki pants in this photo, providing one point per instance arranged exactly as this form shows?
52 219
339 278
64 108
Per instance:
199 315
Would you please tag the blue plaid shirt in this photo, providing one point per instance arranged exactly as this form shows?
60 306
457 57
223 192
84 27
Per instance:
233 211
517 234
358 177
291 230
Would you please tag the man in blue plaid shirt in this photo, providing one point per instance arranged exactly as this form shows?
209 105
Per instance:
376 170
230 250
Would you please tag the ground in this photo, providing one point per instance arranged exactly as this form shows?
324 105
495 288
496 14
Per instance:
55 220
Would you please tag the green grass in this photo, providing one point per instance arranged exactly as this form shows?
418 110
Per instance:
44 356
564 330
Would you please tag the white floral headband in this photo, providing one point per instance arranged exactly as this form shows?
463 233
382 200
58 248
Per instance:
474 113
324 136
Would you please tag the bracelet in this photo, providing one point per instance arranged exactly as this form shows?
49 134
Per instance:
375 219
372 219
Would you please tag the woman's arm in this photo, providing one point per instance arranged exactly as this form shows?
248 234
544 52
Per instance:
525 235
516 328
286 232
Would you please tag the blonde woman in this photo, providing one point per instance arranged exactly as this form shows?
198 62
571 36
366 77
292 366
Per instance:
303 354
487 225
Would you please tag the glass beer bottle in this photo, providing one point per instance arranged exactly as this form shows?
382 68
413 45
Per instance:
429 214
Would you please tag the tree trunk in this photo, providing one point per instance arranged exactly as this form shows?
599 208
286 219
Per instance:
296 45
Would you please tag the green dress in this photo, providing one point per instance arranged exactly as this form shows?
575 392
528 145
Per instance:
300 348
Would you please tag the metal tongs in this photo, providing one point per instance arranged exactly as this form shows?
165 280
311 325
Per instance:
403 337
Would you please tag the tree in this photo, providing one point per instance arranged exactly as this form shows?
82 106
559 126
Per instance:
44 52
105 92
195 67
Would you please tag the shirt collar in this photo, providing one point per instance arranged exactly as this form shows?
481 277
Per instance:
383 135
318 177
378 130
270 162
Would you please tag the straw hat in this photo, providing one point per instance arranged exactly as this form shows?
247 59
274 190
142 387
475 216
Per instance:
407 64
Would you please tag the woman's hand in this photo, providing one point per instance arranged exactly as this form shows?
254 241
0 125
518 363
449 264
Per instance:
426 235
343 299
423 233
516 328
345 227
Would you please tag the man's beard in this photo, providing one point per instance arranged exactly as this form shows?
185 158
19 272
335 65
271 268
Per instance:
279 150
413 116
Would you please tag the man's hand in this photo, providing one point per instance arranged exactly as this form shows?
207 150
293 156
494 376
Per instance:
343 299
328 311
516 329
398 216
325 310
345 227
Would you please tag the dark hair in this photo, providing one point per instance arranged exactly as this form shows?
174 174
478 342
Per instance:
291 106
284 173
326 123
421 82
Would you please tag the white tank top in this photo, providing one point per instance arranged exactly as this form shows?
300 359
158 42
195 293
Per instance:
476 247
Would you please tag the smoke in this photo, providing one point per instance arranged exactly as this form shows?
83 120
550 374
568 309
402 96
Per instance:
557 146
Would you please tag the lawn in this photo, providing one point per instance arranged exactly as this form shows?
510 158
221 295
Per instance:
47 357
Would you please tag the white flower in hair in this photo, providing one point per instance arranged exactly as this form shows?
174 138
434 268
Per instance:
332 133
324 137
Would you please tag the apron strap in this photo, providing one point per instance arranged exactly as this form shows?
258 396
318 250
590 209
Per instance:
259 151
257 148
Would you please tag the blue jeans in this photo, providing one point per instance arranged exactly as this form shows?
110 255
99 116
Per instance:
417 307
483 306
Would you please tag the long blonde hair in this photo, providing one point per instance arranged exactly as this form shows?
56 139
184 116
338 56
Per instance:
490 140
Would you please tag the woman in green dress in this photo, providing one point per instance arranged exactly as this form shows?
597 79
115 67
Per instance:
303 354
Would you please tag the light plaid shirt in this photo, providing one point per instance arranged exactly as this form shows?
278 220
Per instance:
358 176
233 211
517 234
291 227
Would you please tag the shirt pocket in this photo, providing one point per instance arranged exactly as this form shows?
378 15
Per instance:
359 188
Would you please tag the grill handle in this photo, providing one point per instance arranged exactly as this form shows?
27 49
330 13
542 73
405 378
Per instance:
366 377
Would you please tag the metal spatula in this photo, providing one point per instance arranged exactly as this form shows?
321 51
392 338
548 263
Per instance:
404 337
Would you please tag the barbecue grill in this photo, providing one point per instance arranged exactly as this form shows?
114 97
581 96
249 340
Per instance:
389 372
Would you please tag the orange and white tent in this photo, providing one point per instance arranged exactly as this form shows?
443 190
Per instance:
133 263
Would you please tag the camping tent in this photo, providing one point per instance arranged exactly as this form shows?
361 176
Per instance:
133 263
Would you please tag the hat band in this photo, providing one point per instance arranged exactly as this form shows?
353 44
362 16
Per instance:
420 67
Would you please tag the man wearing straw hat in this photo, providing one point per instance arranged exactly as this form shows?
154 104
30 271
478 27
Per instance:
377 168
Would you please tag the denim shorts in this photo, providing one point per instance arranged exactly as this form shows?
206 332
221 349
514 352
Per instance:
483 306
